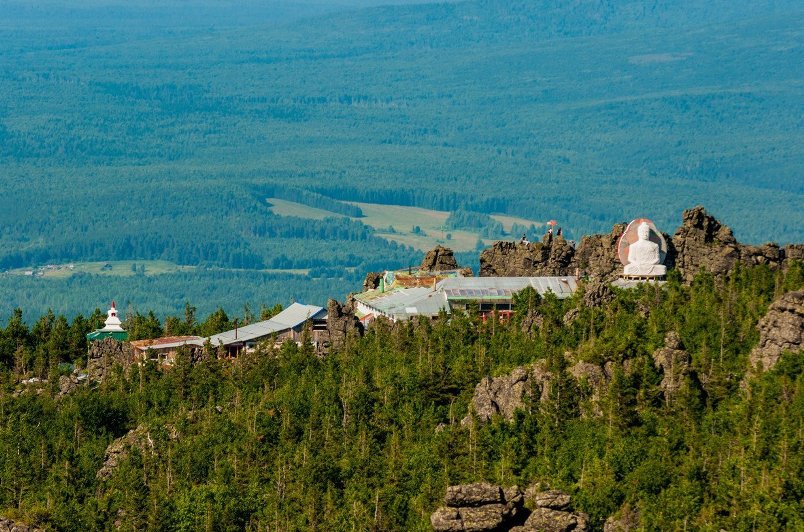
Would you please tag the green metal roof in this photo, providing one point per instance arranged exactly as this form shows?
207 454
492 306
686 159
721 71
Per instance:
100 334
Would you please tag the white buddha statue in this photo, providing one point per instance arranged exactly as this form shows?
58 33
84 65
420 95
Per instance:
643 255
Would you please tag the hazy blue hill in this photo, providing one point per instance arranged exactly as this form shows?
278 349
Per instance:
493 21
121 139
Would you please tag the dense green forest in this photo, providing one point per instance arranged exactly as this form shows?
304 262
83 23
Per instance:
283 439
156 130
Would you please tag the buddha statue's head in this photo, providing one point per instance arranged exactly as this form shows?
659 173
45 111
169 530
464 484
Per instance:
643 231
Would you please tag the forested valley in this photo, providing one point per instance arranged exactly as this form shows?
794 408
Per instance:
369 436
156 131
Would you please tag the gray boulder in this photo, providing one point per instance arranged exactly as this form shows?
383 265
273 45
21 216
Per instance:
476 494
553 499
478 507
548 520
780 330
506 394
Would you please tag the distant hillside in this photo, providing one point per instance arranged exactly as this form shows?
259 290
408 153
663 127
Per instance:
138 142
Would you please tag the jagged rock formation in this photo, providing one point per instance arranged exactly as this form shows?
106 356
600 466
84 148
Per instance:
119 449
596 255
9 525
439 259
548 520
700 242
478 507
554 499
780 330
703 242
596 294
674 363
341 321
372 281
511 259
505 394
104 355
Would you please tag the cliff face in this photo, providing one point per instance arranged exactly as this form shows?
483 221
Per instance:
701 242
596 255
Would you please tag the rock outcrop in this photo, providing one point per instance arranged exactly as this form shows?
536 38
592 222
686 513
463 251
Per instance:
372 281
119 449
553 499
593 378
511 259
780 330
478 507
341 322
597 257
9 525
701 242
485 507
674 363
551 513
597 294
67 383
104 355
439 259
505 394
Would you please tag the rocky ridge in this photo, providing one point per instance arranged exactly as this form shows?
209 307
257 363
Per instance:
552 256
701 242
505 394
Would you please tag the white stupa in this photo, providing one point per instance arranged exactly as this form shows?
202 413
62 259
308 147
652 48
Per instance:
112 322
112 327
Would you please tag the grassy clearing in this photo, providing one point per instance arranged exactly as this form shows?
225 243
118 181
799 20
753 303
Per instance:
397 223
291 208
